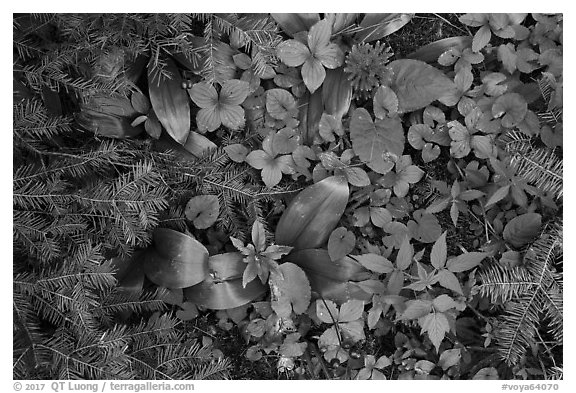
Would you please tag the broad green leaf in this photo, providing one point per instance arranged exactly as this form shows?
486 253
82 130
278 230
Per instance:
313 214
460 145
203 210
377 143
449 358
170 102
140 102
425 228
175 260
327 311
439 252
329 126
436 325
340 243
465 261
375 263
291 293
351 311
416 309
222 289
333 280
319 35
353 330
441 51
430 152
336 93
258 236
522 230
448 280
418 84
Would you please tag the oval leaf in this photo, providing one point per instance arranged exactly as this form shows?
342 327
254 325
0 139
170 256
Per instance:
521 230
375 263
280 103
465 261
291 293
203 210
340 243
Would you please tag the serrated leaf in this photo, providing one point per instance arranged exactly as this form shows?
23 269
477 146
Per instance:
443 303
481 38
377 143
425 228
375 263
439 252
448 280
436 325
351 311
416 309
340 243
500 194
418 84
327 311
405 254
353 330
512 107
521 230
357 177
466 261
291 293
203 210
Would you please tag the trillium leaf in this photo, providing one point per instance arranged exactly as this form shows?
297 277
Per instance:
329 126
203 210
377 143
293 53
340 243
204 95
353 330
313 74
232 116
319 35
233 92
208 119
521 230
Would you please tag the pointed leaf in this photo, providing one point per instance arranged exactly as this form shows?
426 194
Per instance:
416 309
258 236
448 280
170 102
380 216
271 174
439 252
313 74
449 358
313 214
204 95
319 36
237 152
336 93
405 254
375 263
259 159
340 243
443 303
280 104
481 38
436 325
466 261
357 177
500 194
